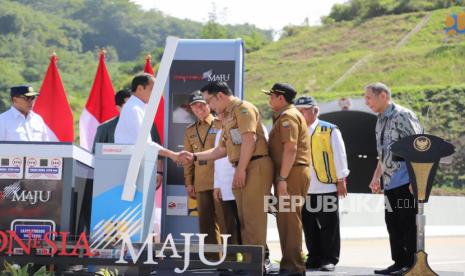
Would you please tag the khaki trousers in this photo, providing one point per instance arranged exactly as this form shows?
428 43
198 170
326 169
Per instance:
290 221
250 201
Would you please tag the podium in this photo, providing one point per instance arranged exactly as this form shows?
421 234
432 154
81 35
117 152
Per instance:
44 186
422 153
111 216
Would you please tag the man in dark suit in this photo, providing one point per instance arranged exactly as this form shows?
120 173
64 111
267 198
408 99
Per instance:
106 131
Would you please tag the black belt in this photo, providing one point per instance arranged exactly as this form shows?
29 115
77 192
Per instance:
255 157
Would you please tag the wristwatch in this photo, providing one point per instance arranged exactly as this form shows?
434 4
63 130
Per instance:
280 178
195 157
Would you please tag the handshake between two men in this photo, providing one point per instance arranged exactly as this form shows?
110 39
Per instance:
184 158
181 158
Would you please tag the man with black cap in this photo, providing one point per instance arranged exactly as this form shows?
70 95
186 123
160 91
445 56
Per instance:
289 146
200 136
20 123
320 217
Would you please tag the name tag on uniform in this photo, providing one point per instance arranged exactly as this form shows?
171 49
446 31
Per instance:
212 131
203 162
236 137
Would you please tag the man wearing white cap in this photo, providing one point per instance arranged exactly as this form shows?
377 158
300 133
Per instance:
327 174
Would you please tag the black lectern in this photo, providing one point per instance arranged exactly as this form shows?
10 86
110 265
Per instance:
422 153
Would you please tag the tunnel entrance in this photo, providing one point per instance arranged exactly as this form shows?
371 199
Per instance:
358 131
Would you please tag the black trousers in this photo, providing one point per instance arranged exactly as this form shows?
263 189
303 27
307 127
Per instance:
231 219
321 228
234 226
400 213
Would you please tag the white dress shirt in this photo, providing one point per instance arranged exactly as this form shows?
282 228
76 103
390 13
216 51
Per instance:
340 163
130 121
14 126
224 174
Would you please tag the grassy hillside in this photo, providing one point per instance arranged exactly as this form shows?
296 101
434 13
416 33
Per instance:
313 58
426 72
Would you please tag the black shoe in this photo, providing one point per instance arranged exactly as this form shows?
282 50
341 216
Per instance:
312 265
401 271
387 271
327 267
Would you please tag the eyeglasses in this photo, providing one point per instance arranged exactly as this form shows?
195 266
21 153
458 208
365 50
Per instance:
27 98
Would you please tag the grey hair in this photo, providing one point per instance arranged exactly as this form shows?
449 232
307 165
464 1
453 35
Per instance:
317 108
378 87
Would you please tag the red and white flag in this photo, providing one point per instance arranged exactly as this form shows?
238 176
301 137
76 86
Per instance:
100 105
159 117
52 105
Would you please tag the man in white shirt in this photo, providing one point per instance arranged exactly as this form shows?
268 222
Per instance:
320 217
132 114
222 184
20 123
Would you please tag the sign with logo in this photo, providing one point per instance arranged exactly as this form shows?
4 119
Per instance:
32 197
112 149
11 167
32 228
455 23
186 77
14 193
27 199
125 251
176 206
44 168
422 143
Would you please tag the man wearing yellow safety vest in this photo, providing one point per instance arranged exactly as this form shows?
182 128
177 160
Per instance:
320 215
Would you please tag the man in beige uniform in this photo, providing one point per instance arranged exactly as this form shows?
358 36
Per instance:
200 136
245 145
289 145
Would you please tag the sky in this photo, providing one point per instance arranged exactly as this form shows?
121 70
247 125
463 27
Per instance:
265 14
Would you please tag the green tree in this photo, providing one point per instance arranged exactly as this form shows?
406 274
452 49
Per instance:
212 29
